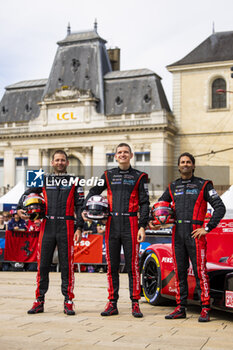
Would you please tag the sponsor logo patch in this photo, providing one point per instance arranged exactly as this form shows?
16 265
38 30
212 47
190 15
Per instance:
35 178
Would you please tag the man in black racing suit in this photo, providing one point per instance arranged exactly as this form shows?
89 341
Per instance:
127 191
189 196
62 195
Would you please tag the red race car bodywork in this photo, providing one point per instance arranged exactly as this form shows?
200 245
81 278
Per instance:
158 276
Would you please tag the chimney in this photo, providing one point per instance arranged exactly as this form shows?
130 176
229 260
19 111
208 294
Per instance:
114 57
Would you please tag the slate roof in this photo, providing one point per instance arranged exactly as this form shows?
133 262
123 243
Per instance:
81 61
134 91
73 38
19 103
217 47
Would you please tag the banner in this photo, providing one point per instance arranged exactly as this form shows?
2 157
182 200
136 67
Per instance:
21 246
89 250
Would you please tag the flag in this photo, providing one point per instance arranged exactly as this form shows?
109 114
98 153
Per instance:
21 246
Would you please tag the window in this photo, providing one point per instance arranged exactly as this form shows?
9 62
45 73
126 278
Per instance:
20 169
142 157
110 160
75 64
118 101
147 98
218 100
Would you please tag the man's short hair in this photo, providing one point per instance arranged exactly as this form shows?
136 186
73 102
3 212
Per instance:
186 154
60 151
123 144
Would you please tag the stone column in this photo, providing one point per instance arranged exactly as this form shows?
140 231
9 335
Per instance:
99 160
88 162
45 160
34 158
9 168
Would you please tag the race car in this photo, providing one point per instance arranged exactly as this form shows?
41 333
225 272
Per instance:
158 276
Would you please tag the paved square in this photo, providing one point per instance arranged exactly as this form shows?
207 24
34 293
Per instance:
54 330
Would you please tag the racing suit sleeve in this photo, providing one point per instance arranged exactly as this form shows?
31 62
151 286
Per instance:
166 197
78 203
37 190
144 202
212 197
96 190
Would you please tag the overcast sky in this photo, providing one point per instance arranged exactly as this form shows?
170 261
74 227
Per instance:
151 34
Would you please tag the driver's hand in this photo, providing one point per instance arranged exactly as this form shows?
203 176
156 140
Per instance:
84 213
141 235
154 227
23 214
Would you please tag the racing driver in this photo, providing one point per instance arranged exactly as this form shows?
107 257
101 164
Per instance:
127 191
62 196
189 196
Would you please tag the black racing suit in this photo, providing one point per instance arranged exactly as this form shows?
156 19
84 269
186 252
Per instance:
189 198
127 191
62 195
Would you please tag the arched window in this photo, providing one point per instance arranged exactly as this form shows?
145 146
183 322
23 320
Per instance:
218 99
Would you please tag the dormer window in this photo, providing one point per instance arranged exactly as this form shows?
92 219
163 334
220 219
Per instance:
4 110
147 98
28 108
118 101
75 64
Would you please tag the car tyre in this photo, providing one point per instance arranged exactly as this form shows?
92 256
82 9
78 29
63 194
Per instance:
151 280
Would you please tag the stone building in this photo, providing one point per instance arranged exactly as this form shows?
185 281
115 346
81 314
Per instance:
86 106
203 116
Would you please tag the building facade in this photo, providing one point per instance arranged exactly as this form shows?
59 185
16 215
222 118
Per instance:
86 108
204 115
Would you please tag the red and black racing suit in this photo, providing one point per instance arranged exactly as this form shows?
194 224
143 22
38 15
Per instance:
189 198
127 191
62 195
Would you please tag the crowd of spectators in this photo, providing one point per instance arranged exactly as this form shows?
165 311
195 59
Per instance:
12 222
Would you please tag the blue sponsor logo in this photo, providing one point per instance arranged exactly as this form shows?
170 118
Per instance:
128 182
179 192
35 178
192 191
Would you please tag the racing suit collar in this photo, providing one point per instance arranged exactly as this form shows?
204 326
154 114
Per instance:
120 171
187 181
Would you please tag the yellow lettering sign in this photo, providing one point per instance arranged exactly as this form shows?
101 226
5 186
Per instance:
66 116
63 116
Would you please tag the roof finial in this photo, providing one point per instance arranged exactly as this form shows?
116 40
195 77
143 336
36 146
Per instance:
213 28
68 29
95 25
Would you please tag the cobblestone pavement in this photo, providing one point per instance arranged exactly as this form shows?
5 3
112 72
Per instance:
88 330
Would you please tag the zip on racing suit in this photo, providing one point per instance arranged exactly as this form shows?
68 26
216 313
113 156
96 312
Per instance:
62 195
127 191
189 198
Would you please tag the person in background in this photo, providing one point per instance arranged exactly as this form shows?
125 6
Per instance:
89 227
2 225
33 225
17 224
6 218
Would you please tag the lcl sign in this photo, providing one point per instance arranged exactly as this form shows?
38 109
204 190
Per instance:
65 116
